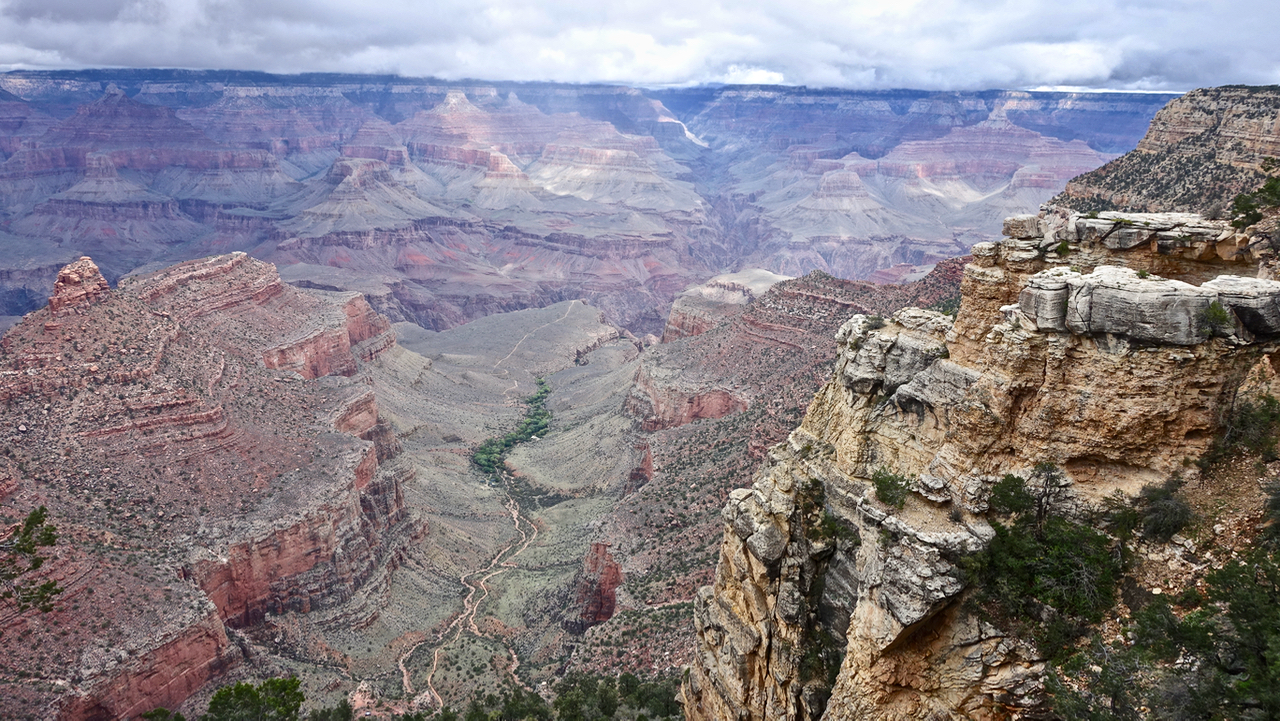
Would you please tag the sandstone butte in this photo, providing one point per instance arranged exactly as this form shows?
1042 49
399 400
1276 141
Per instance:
1077 342
198 482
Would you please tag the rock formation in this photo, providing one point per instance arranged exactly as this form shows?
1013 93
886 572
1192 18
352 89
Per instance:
1109 346
460 200
595 590
1200 151
78 285
198 489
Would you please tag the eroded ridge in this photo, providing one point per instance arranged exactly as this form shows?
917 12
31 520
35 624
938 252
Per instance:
198 484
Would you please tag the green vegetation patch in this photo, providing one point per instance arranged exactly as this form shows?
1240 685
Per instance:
1043 573
489 456
892 488
1251 427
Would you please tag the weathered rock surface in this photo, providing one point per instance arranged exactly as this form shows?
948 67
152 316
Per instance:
702 307
1085 359
78 285
1200 151
147 421
595 590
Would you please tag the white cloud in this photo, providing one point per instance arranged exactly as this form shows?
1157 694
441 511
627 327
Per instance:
956 44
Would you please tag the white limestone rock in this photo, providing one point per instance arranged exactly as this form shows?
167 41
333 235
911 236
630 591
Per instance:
1256 302
1022 226
1115 300
1044 299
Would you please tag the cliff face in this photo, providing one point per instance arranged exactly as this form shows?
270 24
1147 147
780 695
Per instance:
1200 151
829 603
198 488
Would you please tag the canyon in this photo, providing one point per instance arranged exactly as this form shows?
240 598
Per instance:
444 202
259 458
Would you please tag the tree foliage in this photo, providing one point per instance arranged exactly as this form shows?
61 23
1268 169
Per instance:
1042 571
489 456
892 488
1246 209
276 699
20 556
1218 658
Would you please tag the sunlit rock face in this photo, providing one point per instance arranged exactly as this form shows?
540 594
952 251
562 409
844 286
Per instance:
1108 345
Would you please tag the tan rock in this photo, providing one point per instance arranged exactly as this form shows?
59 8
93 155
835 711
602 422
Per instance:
1090 361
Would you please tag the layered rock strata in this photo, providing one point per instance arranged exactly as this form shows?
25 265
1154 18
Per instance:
1200 151
206 464
829 603
465 199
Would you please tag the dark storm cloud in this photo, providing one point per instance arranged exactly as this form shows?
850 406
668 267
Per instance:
1131 44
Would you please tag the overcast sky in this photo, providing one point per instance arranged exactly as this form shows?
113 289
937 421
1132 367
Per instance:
934 44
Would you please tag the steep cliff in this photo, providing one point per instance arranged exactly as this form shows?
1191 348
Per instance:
1200 151
1075 344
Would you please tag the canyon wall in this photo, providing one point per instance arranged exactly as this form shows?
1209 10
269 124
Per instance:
444 202
1200 151
199 487
1075 344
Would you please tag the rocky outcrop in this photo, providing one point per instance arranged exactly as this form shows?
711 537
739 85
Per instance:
664 398
162 677
594 590
829 603
1200 151
79 284
718 300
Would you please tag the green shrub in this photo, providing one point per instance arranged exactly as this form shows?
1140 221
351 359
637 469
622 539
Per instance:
1215 320
891 488
1251 427
488 457
1009 496
273 699
1245 210
1164 513
1271 519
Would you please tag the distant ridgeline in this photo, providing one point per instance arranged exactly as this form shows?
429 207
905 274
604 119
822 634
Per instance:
1202 150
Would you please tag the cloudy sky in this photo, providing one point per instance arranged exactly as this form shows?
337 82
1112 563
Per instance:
934 44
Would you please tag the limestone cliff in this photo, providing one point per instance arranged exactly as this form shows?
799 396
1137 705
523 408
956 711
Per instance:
1108 346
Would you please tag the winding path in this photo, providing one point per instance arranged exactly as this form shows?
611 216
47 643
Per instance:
535 330
501 562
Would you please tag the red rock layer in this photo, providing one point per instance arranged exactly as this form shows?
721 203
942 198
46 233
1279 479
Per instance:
78 284
144 421
595 590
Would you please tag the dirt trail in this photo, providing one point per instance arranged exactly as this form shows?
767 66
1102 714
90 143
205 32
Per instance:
535 330
501 562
